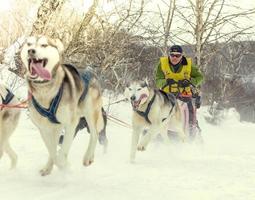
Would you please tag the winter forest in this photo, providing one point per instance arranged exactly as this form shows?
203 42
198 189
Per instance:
122 41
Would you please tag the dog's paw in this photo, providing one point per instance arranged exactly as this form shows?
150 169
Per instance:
141 148
88 159
87 162
45 171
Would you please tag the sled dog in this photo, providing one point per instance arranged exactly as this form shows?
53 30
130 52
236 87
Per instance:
154 111
9 118
63 98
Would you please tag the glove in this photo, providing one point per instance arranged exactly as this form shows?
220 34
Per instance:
170 81
184 83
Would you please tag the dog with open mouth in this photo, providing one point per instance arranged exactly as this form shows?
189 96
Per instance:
153 111
62 98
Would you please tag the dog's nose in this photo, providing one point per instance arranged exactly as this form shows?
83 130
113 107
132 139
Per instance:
31 51
132 98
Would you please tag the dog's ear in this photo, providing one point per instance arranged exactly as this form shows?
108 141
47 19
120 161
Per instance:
127 84
145 82
59 45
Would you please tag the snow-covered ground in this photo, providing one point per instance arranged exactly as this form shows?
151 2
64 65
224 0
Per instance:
223 168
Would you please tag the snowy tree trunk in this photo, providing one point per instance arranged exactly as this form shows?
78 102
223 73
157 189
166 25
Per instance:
199 31
167 25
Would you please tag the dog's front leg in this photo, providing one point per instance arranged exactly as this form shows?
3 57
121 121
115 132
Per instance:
50 139
61 160
46 170
135 138
146 138
89 155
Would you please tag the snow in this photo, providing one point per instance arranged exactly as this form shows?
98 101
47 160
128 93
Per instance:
221 168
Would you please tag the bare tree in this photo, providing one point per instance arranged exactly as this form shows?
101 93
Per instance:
46 11
72 46
208 22
167 23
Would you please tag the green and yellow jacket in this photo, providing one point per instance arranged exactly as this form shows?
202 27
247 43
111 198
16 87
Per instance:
185 70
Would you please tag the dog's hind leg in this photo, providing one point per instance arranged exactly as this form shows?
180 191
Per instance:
137 130
12 154
3 140
1 144
102 133
164 134
89 155
1 148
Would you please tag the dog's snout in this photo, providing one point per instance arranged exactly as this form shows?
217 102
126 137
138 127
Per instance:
132 98
31 51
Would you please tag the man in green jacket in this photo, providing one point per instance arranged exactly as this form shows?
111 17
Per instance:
176 74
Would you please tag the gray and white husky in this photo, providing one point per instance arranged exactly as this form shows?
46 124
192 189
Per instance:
9 118
62 98
153 110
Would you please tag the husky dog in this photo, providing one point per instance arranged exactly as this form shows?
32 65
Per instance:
153 110
62 98
9 118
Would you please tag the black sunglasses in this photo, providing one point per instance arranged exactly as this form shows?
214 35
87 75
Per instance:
175 55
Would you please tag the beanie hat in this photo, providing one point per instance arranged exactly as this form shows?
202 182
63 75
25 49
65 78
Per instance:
175 48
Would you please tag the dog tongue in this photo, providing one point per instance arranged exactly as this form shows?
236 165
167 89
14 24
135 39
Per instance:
40 70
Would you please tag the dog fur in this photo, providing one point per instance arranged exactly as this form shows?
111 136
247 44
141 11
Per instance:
46 74
9 118
164 113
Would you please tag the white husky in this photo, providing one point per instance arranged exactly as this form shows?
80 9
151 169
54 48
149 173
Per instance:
153 110
9 118
62 97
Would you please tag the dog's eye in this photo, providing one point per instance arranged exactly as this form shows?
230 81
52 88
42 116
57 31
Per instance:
129 89
139 89
29 44
44 45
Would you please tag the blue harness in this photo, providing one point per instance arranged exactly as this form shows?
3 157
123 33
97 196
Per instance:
50 113
8 97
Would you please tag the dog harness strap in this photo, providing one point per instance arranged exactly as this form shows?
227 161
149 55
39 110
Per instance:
171 110
8 97
86 77
50 113
146 113
172 101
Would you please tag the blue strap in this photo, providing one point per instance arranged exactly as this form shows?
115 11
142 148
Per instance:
8 97
50 113
86 77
